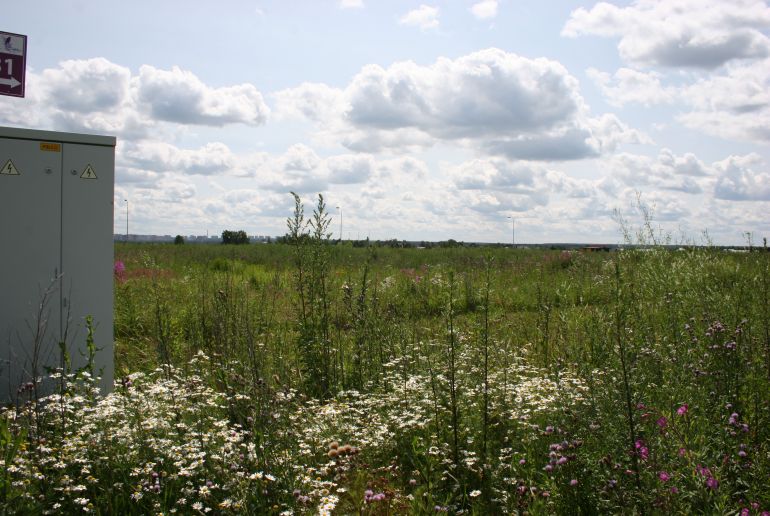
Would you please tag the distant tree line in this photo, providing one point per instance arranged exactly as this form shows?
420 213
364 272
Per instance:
234 237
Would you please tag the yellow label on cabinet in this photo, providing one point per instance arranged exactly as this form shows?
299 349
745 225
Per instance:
50 147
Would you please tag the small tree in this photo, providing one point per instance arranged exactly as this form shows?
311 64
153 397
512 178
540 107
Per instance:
178 240
234 237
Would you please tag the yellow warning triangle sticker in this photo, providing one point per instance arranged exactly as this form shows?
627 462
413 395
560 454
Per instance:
88 173
9 169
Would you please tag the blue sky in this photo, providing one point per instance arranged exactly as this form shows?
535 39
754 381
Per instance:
421 120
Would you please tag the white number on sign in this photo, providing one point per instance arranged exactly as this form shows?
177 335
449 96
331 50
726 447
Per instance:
9 62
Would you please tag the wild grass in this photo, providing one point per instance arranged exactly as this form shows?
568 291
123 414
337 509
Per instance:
310 377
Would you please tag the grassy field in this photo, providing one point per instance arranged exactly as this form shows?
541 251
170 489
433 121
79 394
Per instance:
309 377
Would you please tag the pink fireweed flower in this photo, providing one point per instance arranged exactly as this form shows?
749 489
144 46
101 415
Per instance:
682 410
573 482
664 476
712 483
119 270
662 422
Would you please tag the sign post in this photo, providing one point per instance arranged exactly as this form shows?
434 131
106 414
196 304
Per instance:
13 64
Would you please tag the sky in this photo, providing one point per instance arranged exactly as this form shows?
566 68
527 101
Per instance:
427 120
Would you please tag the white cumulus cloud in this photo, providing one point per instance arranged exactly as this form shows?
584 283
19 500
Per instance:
734 104
627 86
485 9
739 180
425 17
491 100
679 33
177 95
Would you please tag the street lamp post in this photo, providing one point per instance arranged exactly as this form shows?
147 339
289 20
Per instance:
513 230
126 219
340 208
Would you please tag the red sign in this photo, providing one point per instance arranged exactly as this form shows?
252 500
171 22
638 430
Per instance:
13 64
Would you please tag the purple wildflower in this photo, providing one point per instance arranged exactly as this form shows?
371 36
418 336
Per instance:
664 476
119 270
662 422
642 450
712 483
703 471
682 410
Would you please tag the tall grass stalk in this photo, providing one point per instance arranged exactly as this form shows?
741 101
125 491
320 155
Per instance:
620 343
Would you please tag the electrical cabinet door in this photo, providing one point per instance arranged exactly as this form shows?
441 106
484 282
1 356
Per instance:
88 253
30 239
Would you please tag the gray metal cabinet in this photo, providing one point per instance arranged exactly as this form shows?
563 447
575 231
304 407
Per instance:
56 253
